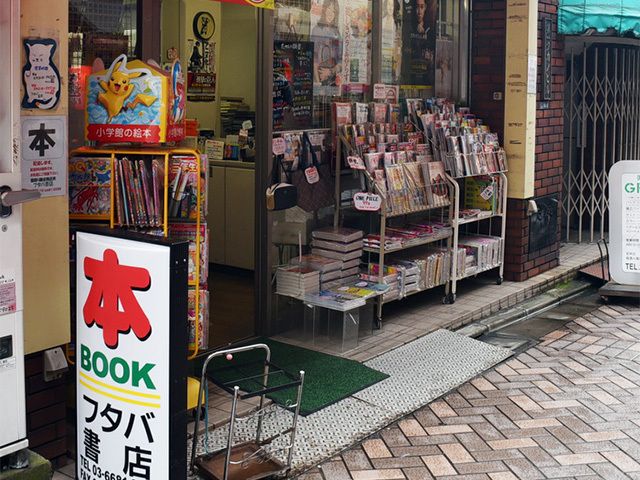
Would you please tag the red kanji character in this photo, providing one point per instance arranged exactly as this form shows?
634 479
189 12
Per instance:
112 286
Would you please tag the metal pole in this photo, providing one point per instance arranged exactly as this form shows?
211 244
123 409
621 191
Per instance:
583 134
605 140
294 427
572 143
594 135
232 424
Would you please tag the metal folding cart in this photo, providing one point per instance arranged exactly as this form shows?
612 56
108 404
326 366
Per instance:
260 456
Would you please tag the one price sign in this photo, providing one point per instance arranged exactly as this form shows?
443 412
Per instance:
367 202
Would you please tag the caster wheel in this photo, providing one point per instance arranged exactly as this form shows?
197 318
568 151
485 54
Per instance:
605 300
449 299
499 281
194 413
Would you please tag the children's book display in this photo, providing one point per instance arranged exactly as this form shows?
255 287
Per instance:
438 170
154 191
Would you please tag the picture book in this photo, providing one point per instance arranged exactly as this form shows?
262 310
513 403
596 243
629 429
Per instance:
90 185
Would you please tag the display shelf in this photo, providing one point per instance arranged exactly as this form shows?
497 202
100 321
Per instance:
421 243
413 292
479 271
479 218
412 212
164 155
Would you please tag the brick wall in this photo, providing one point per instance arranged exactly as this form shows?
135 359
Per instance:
46 411
520 263
488 62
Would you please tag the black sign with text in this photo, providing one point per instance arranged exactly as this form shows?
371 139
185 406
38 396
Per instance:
292 85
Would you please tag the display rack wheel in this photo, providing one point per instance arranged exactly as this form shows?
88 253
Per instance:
605 299
499 281
449 299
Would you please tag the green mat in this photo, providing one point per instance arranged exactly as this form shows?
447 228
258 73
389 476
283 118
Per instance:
328 379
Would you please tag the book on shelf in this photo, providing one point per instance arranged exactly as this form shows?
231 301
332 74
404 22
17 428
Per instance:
89 185
183 187
203 318
438 190
481 253
138 196
337 246
189 232
361 112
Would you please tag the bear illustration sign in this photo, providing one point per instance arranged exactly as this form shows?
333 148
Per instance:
40 75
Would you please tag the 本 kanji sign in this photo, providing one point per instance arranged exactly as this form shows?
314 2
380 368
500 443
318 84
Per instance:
44 154
124 359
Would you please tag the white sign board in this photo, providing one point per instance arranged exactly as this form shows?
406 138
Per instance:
624 224
367 202
44 154
123 352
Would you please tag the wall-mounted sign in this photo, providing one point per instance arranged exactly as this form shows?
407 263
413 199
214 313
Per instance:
547 48
44 154
204 26
624 222
131 357
40 76
292 85
367 202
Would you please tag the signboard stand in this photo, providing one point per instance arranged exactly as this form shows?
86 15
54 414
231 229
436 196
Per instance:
624 231
131 339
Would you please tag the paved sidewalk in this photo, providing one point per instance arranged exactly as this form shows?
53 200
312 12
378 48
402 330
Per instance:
568 407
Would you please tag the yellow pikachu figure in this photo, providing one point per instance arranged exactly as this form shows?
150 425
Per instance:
118 89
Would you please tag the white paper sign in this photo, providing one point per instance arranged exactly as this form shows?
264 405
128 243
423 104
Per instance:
532 74
367 202
123 351
624 230
279 146
386 92
7 291
312 175
44 154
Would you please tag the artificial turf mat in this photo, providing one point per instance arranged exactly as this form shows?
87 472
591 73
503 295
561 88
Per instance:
328 379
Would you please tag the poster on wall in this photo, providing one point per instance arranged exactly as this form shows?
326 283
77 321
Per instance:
292 85
131 358
292 20
357 46
40 75
201 71
326 34
44 154
418 42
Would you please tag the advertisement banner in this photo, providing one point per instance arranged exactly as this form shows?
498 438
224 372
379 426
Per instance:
126 360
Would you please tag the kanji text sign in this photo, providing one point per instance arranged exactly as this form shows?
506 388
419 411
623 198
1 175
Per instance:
44 154
122 358
624 230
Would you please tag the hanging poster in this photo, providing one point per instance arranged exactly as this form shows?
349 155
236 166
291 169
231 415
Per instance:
40 76
357 46
391 41
44 154
292 85
419 42
444 66
326 35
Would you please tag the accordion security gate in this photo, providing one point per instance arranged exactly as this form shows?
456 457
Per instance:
601 127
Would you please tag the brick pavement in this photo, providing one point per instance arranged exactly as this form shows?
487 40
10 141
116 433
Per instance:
568 407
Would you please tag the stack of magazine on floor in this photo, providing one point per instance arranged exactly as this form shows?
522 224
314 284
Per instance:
341 244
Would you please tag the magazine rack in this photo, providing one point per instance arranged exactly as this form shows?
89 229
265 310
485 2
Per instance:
256 455
450 211
107 211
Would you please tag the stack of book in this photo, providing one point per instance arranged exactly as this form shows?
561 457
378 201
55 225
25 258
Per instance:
330 269
233 112
390 278
344 244
297 281
481 253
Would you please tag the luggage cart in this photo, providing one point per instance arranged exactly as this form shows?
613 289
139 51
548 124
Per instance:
254 459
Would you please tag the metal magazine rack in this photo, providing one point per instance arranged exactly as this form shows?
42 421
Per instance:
257 455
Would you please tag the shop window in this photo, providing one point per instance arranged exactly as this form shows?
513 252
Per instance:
97 29
322 54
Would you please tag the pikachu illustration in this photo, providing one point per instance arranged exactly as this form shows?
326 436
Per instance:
118 88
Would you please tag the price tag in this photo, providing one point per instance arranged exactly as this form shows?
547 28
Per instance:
247 125
487 193
356 163
279 146
367 202
312 175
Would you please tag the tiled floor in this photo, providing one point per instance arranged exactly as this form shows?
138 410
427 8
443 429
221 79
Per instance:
566 408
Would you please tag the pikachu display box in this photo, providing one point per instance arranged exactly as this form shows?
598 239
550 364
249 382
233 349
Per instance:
134 102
